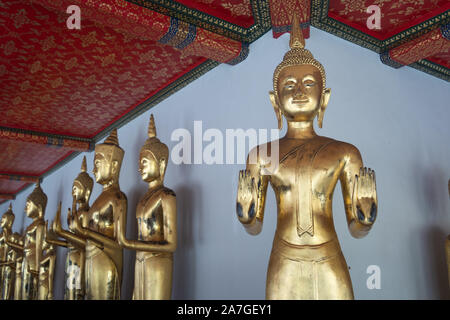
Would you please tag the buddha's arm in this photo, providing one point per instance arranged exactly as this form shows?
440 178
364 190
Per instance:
71 238
56 242
74 239
359 192
38 246
15 246
169 244
251 197
7 263
119 208
51 272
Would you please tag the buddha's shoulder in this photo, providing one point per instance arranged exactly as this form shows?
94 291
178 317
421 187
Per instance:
168 193
339 147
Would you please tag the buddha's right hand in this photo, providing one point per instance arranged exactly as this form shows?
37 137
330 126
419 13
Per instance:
56 225
247 197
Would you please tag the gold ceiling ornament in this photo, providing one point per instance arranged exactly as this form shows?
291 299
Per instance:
153 145
297 55
83 177
38 197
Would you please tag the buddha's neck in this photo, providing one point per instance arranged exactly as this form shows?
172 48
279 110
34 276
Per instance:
113 183
83 205
300 130
155 184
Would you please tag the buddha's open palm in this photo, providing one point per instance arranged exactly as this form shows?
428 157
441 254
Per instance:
246 197
364 200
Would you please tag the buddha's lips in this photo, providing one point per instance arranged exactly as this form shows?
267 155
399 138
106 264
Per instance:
300 101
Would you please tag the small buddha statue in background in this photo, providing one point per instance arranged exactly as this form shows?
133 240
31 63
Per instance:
33 243
17 238
7 255
104 256
306 260
156 215
47 270
75 242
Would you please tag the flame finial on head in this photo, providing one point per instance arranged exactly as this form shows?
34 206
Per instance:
297 40
151 127
84 165
112 139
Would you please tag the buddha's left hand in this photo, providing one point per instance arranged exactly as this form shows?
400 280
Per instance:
364 199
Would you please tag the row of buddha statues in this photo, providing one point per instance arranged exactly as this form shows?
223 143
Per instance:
95 237
306 261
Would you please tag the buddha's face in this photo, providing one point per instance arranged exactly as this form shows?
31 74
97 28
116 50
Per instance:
102 168
299 92
78 191
31 209
148 166
4 221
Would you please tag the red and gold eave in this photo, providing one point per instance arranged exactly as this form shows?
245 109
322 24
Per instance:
412 33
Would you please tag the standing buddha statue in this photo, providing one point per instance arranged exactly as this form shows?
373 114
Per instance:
156 215
18 238
104 256
75 242
47 269
7 256
306 261
33 243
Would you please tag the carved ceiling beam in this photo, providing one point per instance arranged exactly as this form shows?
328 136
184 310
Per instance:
73 143
281 13
429 44
145 24
16 177
7 196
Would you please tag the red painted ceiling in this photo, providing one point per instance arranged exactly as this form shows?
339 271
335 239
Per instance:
76 82
238 12
396 16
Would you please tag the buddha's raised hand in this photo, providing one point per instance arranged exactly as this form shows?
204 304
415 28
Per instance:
246 197
56 225
364 200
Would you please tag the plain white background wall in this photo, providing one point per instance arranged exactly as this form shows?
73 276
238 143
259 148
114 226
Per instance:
398 119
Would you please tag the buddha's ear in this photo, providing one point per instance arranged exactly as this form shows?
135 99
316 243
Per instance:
276 108
323 105
87 194
162 167
115 165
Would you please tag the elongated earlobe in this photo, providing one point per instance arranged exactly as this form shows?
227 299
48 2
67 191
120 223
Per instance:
323 106
276 108
162 168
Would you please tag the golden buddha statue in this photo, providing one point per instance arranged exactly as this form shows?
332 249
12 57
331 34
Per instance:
18 239
47 269
156 216
306 261
104 256
33 243
7 256
75 260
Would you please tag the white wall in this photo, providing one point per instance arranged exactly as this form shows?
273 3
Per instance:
399 120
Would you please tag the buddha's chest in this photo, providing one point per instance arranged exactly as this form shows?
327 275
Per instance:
150 219
100 217
305 169
30 239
